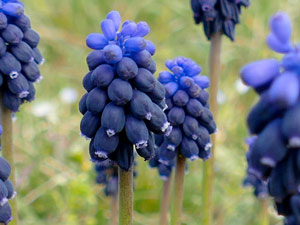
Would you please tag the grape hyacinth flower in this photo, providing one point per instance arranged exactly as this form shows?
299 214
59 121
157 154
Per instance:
19 55
218 15
188 112
123 104
189 115
274 154
6 192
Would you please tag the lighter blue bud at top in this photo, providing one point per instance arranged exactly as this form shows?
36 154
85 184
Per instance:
108 29
142 29
129 29
96 41
116 18
150 47
281 27
284 91
277 46
202 81
135 44
13 9
259 73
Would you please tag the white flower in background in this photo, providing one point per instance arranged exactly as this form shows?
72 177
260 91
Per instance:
43 109
68 95
241 87
221 97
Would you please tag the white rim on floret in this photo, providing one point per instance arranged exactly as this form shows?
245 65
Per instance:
148 116
13 74
39 79
13 195
84 136
193 157
195 137
294 142
42 61
3 201
110 132
165 162
208 146
165 126
101 154
23 94
171 147
268 161
169 130
141 144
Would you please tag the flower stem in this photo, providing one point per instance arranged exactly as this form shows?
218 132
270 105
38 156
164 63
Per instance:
8 154
178 191
208 182
114 210
125 196
264 214
165 202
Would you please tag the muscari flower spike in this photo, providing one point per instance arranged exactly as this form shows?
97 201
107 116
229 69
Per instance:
19 55
6 192
188 112
124 102
218 15
274 155
107 175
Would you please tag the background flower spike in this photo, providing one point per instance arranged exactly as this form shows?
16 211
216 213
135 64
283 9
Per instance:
274 120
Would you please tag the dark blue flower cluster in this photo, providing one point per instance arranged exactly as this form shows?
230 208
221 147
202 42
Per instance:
6 192
260 187
188 112
124 102
107 174
19 55
218 15
275 119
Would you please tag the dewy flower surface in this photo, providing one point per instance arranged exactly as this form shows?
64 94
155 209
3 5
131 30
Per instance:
124 102
274 154
19 55
218 15
188 112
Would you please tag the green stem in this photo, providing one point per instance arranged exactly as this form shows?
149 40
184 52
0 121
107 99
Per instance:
8 154
263 212
208 182
178 191
165 202
125 196
114 210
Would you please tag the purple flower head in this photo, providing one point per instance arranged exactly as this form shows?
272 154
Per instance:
188 112
124 102
273 155
218 15
19 55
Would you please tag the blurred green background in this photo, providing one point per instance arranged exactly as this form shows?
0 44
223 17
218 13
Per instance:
55 179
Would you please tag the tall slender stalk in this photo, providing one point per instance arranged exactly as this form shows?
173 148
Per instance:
114 210
178 190
208 183
8 154
263 212
165 202
125 196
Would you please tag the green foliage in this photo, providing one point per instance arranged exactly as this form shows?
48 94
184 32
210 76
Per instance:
55 177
